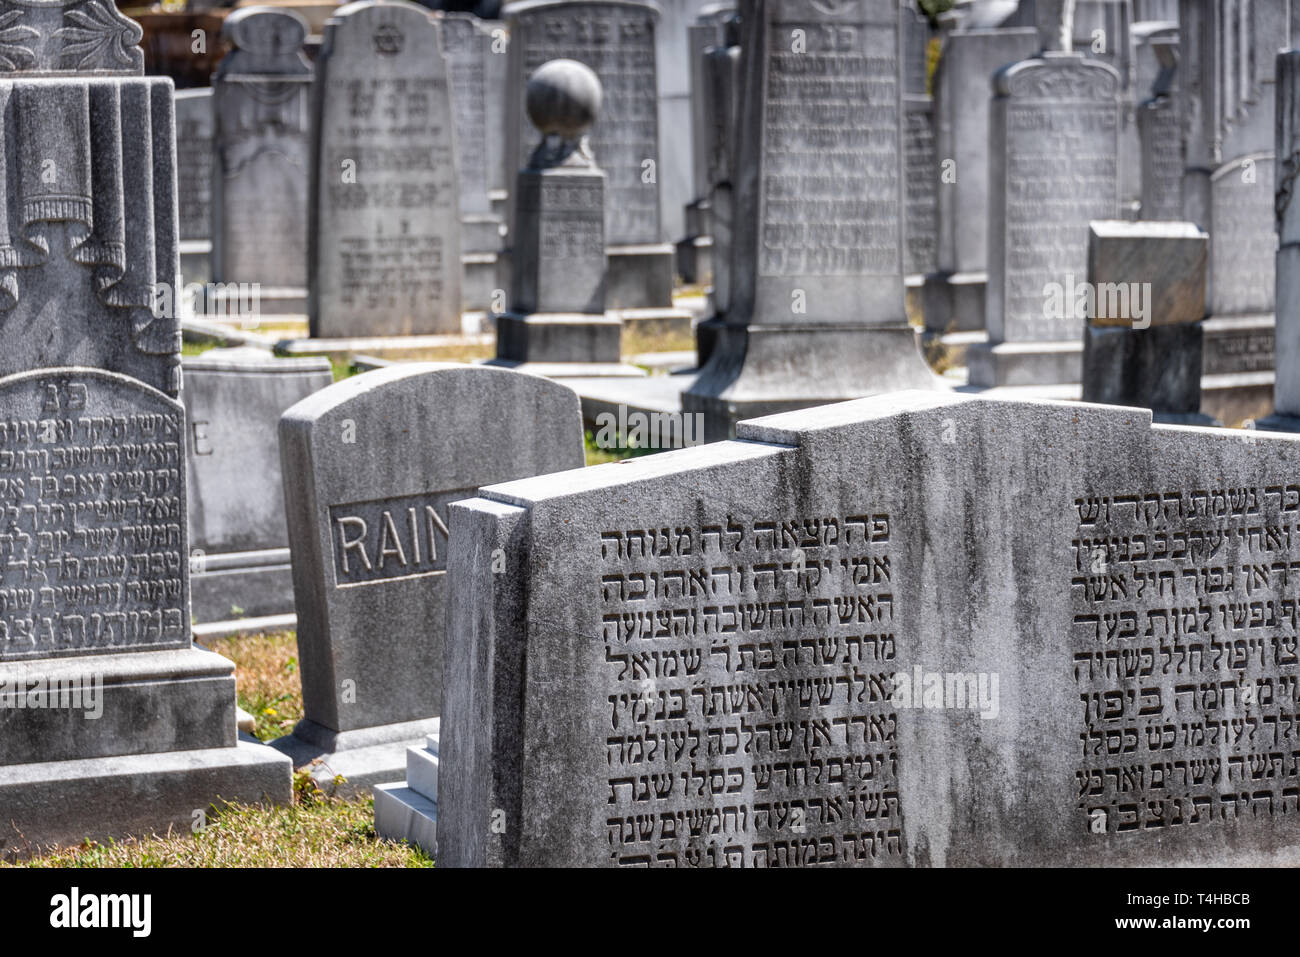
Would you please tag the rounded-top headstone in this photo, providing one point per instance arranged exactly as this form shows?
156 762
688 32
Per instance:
563 98
266 31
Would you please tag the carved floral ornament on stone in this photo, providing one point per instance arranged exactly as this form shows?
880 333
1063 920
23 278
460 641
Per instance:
68 36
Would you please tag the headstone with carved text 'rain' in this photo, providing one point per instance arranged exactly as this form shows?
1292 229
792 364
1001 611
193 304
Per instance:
261 95
816 311
370 465
755 653
384 234
111 722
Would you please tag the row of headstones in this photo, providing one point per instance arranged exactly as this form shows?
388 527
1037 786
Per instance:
340 180
112 721
624 681
1070 143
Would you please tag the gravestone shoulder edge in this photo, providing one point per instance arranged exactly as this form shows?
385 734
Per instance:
1019 79
630 473
529 6
90 372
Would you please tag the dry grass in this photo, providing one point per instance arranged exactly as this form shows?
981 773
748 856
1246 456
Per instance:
314 832
639 337
267 682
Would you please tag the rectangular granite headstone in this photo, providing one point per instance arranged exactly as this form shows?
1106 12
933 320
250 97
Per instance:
384 233
817 292
194 146
921 184
953 299
370 466
1054 142
1143 344
1159 129
261 94
239 545
776 651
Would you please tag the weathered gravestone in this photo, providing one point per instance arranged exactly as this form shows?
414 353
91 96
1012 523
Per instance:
194 146
721 95
468 43
1143 339
695 249
111 722
384 231
1159 130
239 545
920 178
953 297
1054 152
616 39
557 319
261 94
776 651
816 311
1243 253
1286 385
370 465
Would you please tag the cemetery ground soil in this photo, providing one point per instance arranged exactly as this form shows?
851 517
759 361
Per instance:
315 831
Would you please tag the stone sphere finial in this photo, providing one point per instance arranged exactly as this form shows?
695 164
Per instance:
563 98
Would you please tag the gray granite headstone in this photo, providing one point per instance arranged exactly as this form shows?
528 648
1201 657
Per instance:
1160 132
384 234
194 151
845 641
1054 143
1142 345
921 185
558 297
616 39
467 45
816 312
953 298
194 123
94 576
370 466
1286 386
721 95
239 545
261 95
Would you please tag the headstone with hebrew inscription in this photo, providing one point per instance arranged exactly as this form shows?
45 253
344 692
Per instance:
1054 142
816 311
194 152
616 39
1161 139
1286 386
766 659
721 95
370 465
921 185
384 231
261 95
94 576
1243 256
239 545
467 44
953 295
